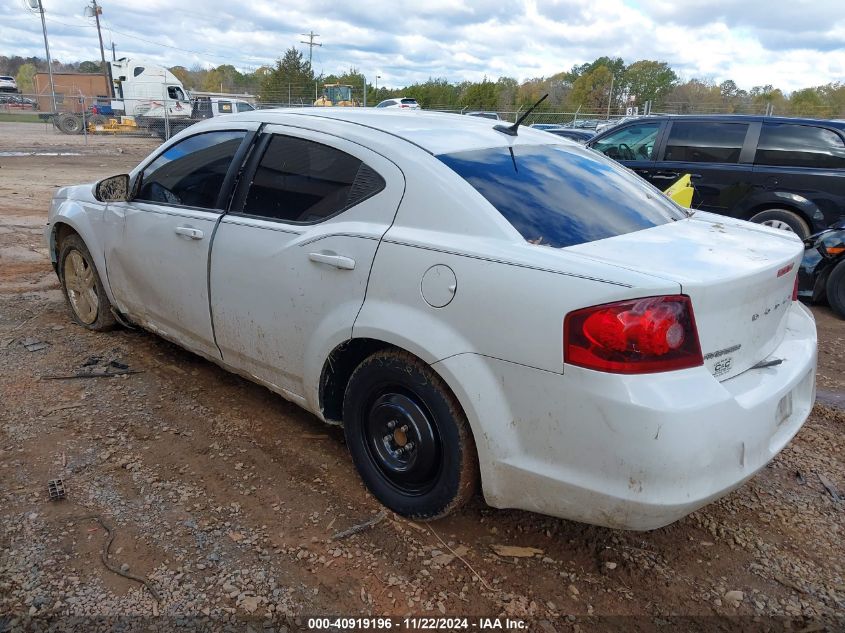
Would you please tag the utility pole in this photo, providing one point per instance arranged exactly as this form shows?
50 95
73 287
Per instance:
94 11
610 97
36 4
311 43
113 53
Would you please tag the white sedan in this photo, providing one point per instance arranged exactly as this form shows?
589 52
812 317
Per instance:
472 305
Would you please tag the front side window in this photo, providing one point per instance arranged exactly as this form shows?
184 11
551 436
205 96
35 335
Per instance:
191 173
790 145
243 106
302 181
174 92
634 142
562 195
705 142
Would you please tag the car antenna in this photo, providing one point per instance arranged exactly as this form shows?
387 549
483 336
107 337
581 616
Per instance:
510 130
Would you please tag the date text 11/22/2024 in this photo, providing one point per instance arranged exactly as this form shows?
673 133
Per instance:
416 624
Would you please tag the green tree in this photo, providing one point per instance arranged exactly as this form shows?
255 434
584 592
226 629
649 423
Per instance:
481 96
90 67
647 80
183 75
26 78
808 102
291 80
591 90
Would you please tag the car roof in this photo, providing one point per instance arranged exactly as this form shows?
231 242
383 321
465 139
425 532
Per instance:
435 132
738 118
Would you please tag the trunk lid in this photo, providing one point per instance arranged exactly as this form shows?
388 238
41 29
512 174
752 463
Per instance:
739 277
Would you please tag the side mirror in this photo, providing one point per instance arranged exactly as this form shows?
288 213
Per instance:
114 189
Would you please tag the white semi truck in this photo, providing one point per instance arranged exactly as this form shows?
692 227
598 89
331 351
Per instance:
143 97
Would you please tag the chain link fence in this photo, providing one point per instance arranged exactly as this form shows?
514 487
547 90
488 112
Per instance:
72 112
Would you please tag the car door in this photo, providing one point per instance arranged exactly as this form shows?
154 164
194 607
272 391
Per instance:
805 163
717 158
291 260
634 146
158 244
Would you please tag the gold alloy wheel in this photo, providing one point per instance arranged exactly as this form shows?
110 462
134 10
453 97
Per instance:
81 287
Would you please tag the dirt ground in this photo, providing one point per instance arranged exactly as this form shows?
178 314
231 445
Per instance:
224 497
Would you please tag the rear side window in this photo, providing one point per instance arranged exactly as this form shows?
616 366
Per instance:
191 172
632 142
302 181
562 195
790 145
705 142
224 107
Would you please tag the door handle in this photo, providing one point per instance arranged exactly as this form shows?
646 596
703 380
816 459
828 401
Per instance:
695 176
666 175
187 231
338 261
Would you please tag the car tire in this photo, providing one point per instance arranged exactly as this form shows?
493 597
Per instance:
69 123
783 219
89 305
835 289
395 401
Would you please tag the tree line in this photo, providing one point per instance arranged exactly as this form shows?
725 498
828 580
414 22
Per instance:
607 85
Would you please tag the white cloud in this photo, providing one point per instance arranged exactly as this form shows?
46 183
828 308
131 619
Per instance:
788 44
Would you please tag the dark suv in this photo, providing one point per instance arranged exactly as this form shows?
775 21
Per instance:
787 173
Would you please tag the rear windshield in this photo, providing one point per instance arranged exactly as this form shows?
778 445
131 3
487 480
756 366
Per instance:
562 195
409 100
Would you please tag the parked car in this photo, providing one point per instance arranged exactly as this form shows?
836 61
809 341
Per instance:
404 103
8 84
485 115
785 173
585 124
580 136
822 273
468 303
16 102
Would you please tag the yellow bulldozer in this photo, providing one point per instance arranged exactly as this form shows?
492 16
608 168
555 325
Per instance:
336 95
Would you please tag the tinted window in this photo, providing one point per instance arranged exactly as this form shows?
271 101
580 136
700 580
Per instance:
409 101
634 142
705 142
384 104
304 181
789 145
244 107
562 195
191 172
138 70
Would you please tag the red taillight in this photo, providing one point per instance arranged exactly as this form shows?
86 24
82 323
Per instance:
633 337
795 289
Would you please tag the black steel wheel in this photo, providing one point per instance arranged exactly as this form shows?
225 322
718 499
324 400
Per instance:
408 436
835 289
69 123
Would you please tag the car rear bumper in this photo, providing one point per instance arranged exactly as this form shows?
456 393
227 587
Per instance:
632 452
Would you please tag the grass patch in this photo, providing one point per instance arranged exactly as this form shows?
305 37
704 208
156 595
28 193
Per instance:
19 117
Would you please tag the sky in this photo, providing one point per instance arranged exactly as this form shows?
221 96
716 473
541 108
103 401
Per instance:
790 44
